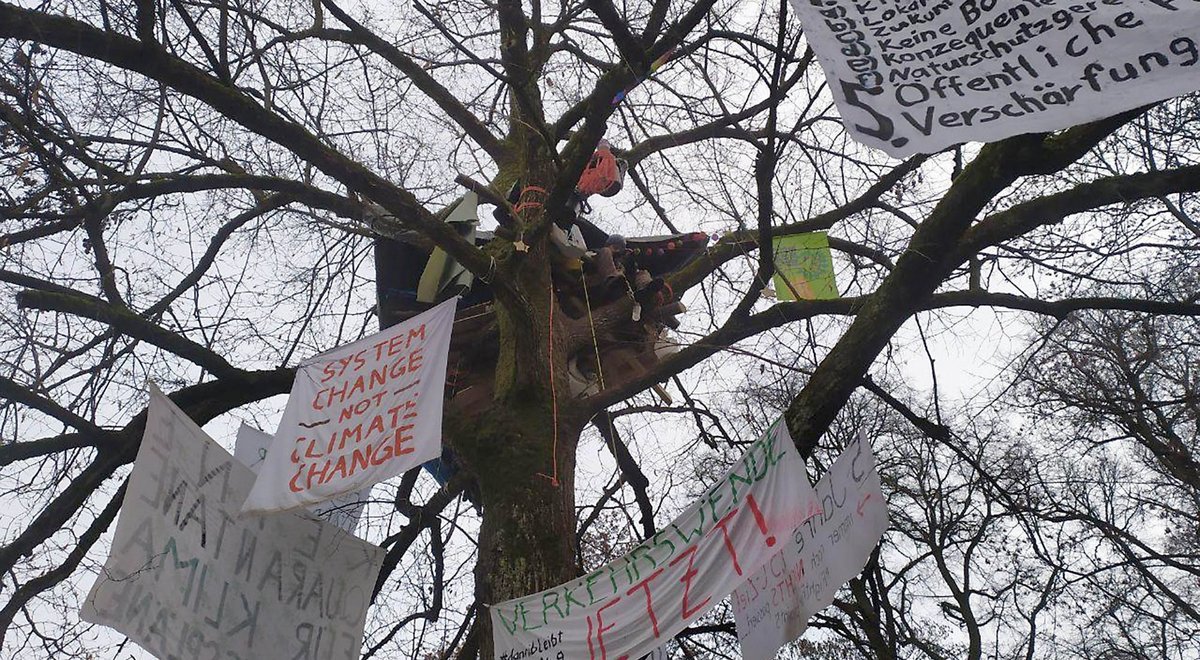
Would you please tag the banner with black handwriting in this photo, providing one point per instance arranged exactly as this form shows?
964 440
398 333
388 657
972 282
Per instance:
250 448
917 76
187 578
774 605
631 606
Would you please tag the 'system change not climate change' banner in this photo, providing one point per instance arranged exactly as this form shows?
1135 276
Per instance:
359 414
187 578
629 607
774 605
916 76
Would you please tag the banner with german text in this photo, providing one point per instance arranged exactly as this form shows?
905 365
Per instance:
631 606
775 603
917 76
187 578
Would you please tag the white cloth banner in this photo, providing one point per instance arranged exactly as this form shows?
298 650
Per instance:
629 607
774 605
250 449
916 76
358 415
186 578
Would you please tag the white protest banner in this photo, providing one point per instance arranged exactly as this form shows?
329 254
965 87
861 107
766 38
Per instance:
916 76
629 607
774 605
358 415
250 449
186 578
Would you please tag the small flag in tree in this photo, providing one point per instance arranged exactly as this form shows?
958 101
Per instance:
804 267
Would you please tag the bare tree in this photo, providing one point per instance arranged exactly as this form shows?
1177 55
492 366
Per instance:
191 189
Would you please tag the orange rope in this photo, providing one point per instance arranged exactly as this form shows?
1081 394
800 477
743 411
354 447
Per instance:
522 204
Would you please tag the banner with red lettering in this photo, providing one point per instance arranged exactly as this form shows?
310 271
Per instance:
186 577
917 76
359 414
629 607
774 605
250 448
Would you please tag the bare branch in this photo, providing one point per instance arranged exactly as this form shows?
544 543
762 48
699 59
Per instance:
127 322
201 402
78 37
445 100
31 589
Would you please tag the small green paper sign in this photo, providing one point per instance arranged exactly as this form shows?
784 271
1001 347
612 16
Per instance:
804 267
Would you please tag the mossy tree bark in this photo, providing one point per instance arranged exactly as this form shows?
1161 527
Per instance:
518 447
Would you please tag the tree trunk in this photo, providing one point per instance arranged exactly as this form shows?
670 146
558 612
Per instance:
529 425
527 539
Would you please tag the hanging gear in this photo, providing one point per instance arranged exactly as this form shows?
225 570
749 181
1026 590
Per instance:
443 277
604 174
